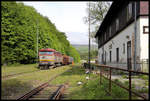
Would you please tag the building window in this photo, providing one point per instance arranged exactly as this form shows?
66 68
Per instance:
129 11
110 31
102 38
117 54
145 30
117 24
98 40
110 56
105 36
124 48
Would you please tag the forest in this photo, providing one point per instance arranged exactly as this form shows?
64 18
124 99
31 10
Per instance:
19 27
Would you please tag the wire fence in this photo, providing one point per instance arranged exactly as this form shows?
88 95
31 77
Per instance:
107 72
144 65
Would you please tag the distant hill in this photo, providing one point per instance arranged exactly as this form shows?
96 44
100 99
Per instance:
83 48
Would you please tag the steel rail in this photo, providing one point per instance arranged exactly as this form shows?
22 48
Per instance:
37 89
58 93
32 92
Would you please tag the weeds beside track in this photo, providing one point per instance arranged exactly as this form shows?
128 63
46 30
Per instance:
37 91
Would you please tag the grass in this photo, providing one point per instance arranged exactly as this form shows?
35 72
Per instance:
141 76
125 76
93 90
90 89
14 69
42 76
145 77
13 88
74 75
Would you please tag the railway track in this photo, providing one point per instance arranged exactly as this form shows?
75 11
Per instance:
12 75
45 91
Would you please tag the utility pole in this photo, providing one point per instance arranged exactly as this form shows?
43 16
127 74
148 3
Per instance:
37 40
89 37
135 38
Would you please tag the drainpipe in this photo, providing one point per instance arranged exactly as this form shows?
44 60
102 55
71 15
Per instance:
135 38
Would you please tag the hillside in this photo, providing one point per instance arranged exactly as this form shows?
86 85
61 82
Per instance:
84 49
19 27
81 48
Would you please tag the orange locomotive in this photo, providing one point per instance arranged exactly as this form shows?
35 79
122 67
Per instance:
50 58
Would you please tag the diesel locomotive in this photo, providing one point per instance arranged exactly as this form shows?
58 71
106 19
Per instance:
50 58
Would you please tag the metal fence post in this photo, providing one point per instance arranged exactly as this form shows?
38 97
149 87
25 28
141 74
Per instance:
130 85
110 81
100 75
102 67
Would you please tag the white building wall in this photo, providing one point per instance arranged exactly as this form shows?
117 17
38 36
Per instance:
117 42
144 38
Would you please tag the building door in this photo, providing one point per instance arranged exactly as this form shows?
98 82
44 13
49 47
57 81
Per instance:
103 55
102 59
105 58
110 56
117 54
129 55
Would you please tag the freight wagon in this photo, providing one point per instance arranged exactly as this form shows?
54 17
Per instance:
50 58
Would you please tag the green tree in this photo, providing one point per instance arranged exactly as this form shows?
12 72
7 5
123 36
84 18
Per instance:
97 12
19 28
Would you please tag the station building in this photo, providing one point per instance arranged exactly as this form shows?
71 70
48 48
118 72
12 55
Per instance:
116 35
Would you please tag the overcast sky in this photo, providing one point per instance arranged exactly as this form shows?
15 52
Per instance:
67 16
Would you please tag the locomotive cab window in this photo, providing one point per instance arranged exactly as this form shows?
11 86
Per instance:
49 53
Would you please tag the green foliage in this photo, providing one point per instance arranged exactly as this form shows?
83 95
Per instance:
19 31
85 56
97 12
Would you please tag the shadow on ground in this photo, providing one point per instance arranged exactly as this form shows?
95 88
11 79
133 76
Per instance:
12 89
